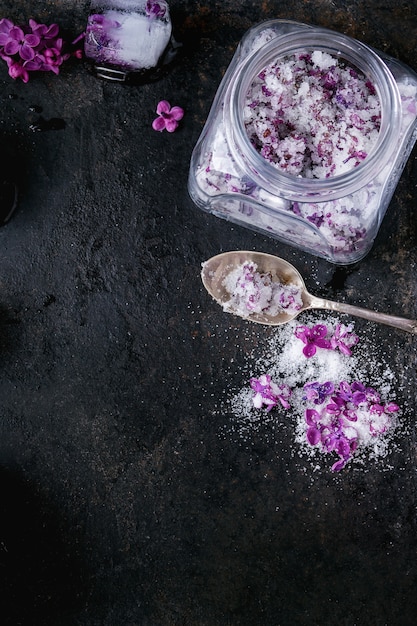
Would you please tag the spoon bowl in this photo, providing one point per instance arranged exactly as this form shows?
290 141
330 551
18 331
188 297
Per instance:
216 270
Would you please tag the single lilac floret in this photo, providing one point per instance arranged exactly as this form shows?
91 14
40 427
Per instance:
269 393
313 338
344 339
168 117
318 392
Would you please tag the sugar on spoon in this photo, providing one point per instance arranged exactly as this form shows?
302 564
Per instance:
215 271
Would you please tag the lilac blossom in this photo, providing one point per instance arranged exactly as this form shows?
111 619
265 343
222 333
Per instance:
269 393
21 43
344 339
337 426
168 117
313 338
43 31
36 47
318 392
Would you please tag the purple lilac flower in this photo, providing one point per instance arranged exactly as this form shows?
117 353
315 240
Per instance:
317 392
21 43
352 410
269 393
168 117
344 339
5 28
317 337
36 47
43 31
17 70
313 338
354 393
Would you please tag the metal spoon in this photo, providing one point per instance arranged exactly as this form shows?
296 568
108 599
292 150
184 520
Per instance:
215 270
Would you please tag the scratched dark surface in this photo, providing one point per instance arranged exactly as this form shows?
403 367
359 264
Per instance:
126 498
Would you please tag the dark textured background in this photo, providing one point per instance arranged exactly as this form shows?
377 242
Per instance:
123 499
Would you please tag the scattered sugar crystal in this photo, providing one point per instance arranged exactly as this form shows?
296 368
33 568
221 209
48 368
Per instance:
283 360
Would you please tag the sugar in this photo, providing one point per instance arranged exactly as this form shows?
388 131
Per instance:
312 115
254 292
283 360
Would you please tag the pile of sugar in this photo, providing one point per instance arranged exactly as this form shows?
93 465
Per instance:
254 292
312 115
284 362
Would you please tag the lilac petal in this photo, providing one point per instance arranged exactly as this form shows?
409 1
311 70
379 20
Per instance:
177 113
343 448
17 33
11 47
5 25
358 397
163 107
311 390
284 402
327 388
26 53
350 415
309 350
158 124
34 64
313 435
171 125
333 408
52 31
300 332
322 343
319 330
336 467
32 40
343 348
371 394
312 417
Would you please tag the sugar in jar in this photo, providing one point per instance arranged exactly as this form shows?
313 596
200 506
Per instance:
306 139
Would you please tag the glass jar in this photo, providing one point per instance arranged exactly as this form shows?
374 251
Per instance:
335 216
129 40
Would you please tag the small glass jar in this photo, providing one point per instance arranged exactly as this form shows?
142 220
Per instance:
129 40
335 217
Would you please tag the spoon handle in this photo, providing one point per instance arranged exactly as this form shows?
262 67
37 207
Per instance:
409 326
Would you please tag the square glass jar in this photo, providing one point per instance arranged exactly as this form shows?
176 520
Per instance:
337 216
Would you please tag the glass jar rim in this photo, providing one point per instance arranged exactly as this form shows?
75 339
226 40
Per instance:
360 56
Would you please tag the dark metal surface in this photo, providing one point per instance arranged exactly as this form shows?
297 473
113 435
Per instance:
126 498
